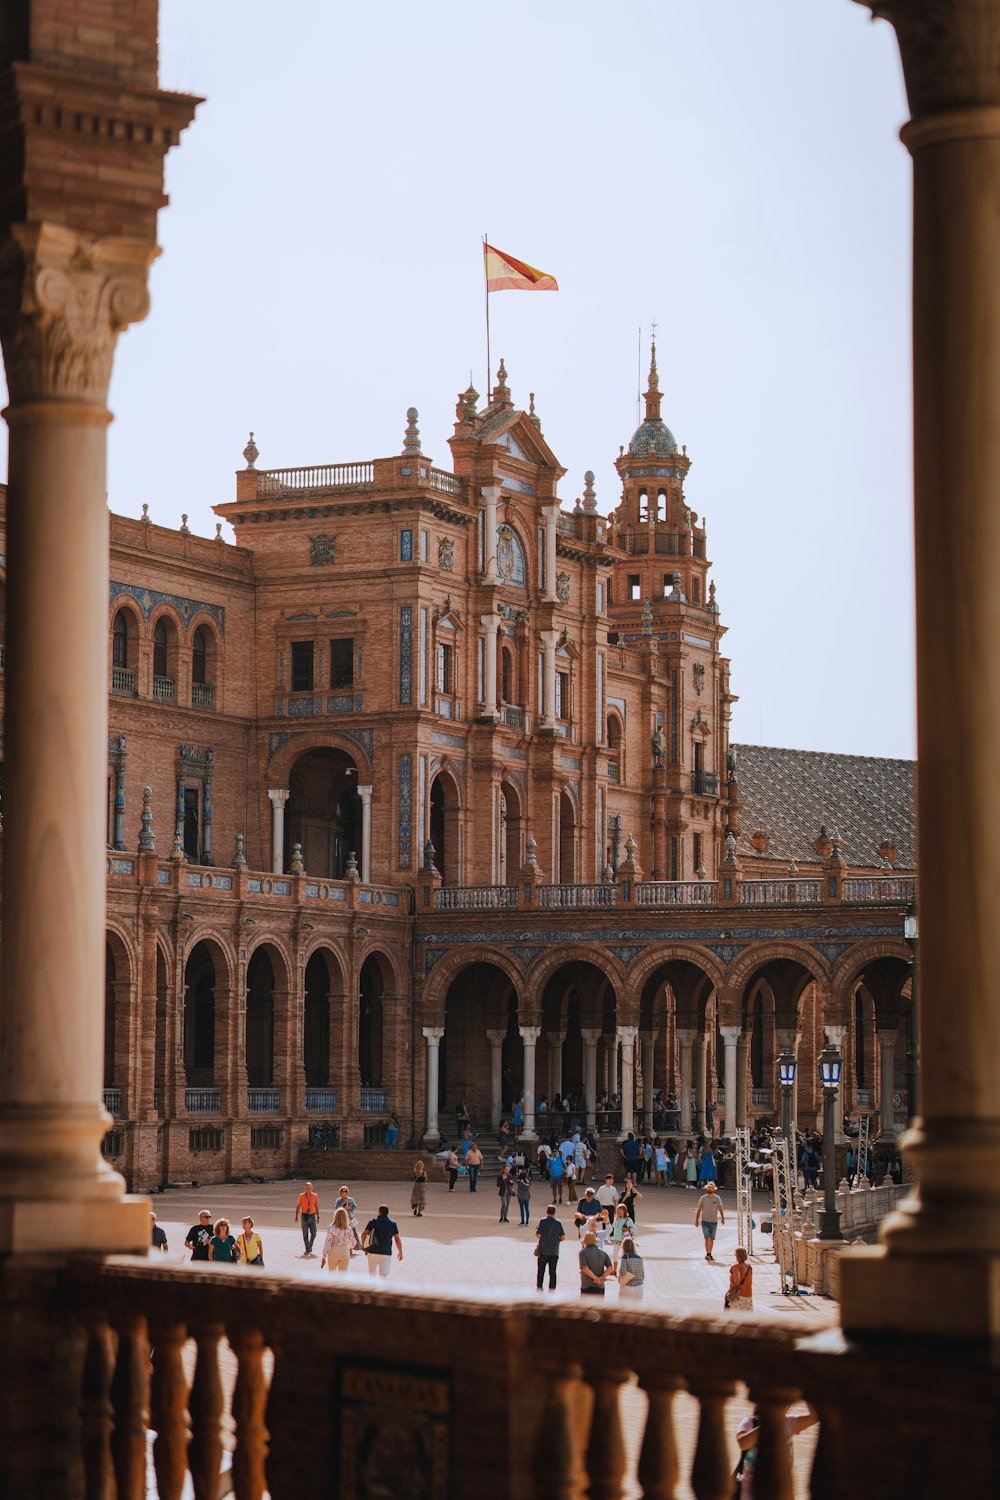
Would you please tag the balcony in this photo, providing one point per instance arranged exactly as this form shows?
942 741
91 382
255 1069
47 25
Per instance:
515 717
123 680
113 1102
779 892
264 1101
704 783
577 897
374 1099
477 897
760 1098
163 689
614 772
321 1101
202 695
203 1101
678 893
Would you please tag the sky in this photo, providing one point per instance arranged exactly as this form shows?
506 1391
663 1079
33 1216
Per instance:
729 168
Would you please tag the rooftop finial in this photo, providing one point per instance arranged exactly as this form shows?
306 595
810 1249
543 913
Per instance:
589 493
250 453
411 441
652 397
500 392
532 414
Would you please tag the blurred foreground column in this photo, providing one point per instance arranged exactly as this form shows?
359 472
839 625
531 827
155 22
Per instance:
947 1234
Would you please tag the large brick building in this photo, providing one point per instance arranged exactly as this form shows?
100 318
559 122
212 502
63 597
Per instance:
440 783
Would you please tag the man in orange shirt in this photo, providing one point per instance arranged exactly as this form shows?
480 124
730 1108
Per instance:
307 1212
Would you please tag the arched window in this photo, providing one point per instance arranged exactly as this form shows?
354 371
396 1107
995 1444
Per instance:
507 675
615 756
119 641
199 657
160 650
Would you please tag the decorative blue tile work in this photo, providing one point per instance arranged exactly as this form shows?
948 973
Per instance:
363 737
163 877
312 890
624 953
406 653
357 703
364 898
253 885
148 600
275 742
406 546
342 703
726 951
390 898
300 708
453 741
405 851
122 867
282 887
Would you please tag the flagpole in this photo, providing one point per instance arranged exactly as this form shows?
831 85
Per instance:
486 282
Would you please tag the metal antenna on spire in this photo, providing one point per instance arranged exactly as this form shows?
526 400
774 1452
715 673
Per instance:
638 377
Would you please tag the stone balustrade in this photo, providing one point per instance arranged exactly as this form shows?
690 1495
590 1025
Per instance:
651 894
325 1381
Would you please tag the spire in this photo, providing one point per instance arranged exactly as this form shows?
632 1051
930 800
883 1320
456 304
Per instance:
652 396
501 394
411 440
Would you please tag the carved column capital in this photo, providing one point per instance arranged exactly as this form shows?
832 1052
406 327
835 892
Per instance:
64 299
950 51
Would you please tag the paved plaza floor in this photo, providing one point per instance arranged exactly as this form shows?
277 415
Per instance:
459 1243
459 1246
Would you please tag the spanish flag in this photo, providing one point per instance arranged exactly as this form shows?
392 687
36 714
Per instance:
505 274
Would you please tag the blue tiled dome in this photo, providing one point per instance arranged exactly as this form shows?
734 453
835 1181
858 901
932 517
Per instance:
652 438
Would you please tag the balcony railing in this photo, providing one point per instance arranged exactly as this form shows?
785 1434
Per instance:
613 772
705 783
516 717
880 888
203 1101
779 892
760 1098
203 694
315 477
577 897
864 1098
373 1099
163 689
476 897
321 1101
264 1101
123 680
678 893
113 1102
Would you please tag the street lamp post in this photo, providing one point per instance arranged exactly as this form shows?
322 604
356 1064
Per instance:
786 1077
829 1077
910 934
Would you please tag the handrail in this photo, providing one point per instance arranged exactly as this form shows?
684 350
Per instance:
879 888
315 477
779 892
678 893
476 897
577 896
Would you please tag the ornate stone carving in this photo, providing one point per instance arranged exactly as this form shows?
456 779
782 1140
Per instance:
699 677
64 299
950 50
562 588
322 550
446 554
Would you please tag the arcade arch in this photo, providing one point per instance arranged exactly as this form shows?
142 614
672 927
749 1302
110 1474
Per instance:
324 812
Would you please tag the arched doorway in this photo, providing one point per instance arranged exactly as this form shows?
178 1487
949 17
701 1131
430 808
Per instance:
480 1062
199 1018
445 828
324 813
509 842
316 1023
371 988
260 1021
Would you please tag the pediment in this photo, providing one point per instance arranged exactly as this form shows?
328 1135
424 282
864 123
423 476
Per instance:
515 432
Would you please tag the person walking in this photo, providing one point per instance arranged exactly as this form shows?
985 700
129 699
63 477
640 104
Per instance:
588 1211
631 1273
346 1202
740 1293
622 1228
709 1215
307 1213
748 1436
158 1236
607 1194
595 1267
548 1237
524 1194
706 1169
630 1198
505 1190
452 1168
392 1133
339 1242
378 1238
557 1172
473 1161
250 1245
222 1245
199 1236
418 1192
660 1155
569 1177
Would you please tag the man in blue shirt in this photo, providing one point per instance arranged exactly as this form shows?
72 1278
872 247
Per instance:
378 1238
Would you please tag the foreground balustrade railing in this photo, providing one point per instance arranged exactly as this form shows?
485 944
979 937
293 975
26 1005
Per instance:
333 1389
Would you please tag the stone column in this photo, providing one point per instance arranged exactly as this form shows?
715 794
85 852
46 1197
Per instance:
835 1037
731 1038
119 765
179 807
529 1036
887 1069
365 793
591 1037
496 1041
627 1036
555 1042
433 1035
278 799
611 1046
549 639
648 1056
65 298
700 1069
490 494
685 1041
949 1228
206 821
550 515
489 624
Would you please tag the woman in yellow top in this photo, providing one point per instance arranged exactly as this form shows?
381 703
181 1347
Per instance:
250 1245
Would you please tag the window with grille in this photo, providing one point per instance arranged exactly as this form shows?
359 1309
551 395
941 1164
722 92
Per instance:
342 663
302 666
